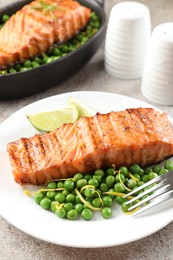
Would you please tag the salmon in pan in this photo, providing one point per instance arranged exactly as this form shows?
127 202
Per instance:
142 135
37 26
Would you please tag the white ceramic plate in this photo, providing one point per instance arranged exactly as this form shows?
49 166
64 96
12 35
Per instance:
21 211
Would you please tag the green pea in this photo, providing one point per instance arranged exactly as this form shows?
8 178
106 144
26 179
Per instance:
97 24
93 182
45 58
140 172
98 178
134 168
126 207
140 183
35 64
77 177
5 18
168 165
163 171
64 48
56 52
65 192
107 201
54 205
96 202
145 196
84 40
38 197
120 176
60 184
50 59
99 172
120 200
52 185
77 200
60 197
119 187
79 37
70 198
136 175
103 187
27 64
110 180
61 212
131 183
152 175
72 214
88 176
3 72
11 71
87 214
23 69
89 192
50 195
110 171
17 66
69 185
38 60
147 170
145 178
79 207
124 170
156 168
106 212
68 206
45 203
81 183
56 58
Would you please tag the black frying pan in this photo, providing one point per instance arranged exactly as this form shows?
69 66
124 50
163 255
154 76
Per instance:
46 76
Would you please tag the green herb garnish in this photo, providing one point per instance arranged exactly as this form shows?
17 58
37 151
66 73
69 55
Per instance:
47 8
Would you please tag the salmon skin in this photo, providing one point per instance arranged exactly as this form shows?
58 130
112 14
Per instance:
142 135
33 29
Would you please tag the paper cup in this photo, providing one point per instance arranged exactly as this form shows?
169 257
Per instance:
127 39
157 82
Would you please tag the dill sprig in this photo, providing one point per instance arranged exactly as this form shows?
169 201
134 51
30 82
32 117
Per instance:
45 7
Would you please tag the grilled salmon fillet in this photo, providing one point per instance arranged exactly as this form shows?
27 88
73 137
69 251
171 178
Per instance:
33 29
143 136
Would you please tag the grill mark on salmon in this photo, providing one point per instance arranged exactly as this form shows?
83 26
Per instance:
142 135
88 145
31 32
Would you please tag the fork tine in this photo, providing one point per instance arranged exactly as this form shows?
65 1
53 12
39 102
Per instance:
162 177
164 197
153 188
154 195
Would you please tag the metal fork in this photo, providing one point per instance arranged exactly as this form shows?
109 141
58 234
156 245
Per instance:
163 187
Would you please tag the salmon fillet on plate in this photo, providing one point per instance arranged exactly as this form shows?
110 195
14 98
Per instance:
33 29
142 135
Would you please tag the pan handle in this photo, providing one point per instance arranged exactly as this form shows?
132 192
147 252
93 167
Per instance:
101 2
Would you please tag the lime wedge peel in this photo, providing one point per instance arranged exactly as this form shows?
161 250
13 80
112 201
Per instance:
83 109
48 121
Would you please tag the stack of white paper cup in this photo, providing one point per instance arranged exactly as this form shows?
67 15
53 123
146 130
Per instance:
127 38
157 82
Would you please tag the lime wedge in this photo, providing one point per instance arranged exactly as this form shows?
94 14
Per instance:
82 108
48 121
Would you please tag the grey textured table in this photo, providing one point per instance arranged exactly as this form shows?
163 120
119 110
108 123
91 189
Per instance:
15 244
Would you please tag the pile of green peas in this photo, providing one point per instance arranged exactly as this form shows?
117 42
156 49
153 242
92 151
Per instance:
57 51
84 194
